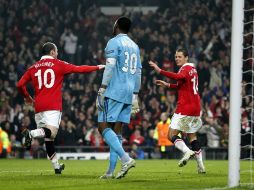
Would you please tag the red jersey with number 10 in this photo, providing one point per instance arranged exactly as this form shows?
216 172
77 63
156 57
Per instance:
47 77
187 85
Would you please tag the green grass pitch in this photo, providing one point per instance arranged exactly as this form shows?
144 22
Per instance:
84 174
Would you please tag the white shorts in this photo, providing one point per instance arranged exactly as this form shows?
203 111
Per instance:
52 118
187 124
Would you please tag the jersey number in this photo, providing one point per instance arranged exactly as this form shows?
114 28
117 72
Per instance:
195 84
130 61
45 78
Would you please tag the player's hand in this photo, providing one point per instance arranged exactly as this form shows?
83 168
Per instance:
29 101
135 106
100 99
154 66
101 66
162 83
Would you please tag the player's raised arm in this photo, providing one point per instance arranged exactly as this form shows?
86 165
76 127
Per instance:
21 85
175 76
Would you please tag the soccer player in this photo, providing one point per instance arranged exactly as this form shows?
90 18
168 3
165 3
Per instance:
187 115
118 95
47 77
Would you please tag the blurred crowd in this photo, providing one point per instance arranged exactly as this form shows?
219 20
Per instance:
81 32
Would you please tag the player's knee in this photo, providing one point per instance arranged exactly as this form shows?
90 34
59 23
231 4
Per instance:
54 133
195 145
51 132
102 127
174 138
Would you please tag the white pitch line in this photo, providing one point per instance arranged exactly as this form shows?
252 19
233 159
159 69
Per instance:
217 188
23 171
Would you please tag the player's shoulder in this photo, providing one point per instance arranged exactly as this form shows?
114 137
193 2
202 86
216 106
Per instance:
113 40
62 62
112 45
188 66
135 44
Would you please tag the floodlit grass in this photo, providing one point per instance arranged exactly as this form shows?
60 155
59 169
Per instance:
82 174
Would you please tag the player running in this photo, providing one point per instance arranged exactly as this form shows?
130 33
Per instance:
187 115
47 77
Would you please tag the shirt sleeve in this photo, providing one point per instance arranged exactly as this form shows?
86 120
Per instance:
139 65
68 68
138 81
109 70
173 86
176 76
111 50
22 84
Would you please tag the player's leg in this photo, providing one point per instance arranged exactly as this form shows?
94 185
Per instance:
180 145
124 117
195 146
112 140
113 157
51 152
40 132
110 115
177 140
177 125
48 124
115 112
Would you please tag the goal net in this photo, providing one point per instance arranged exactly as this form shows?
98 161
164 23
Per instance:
247 111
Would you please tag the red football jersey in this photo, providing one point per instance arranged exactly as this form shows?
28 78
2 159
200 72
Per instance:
187 85
47 77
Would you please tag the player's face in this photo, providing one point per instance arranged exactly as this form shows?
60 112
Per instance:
180 58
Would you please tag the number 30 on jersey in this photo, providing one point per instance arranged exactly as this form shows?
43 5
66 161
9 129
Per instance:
130 62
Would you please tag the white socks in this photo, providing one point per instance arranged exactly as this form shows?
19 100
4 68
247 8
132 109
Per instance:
37 133
180 144
54 161
198 156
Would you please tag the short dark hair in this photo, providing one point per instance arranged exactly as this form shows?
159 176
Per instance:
47 47
124 24
184 51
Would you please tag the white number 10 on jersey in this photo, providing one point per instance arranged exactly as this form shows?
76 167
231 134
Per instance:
130 62
45 78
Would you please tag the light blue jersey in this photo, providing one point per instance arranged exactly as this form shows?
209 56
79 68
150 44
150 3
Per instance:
127 70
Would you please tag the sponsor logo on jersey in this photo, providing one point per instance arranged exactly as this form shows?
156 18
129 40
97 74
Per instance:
110 51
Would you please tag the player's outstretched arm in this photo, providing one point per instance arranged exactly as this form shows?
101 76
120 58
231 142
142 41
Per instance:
155 66
175 76
82 69
165 84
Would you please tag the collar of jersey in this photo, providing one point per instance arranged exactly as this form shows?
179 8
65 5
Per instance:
46 57
121 34
189 64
